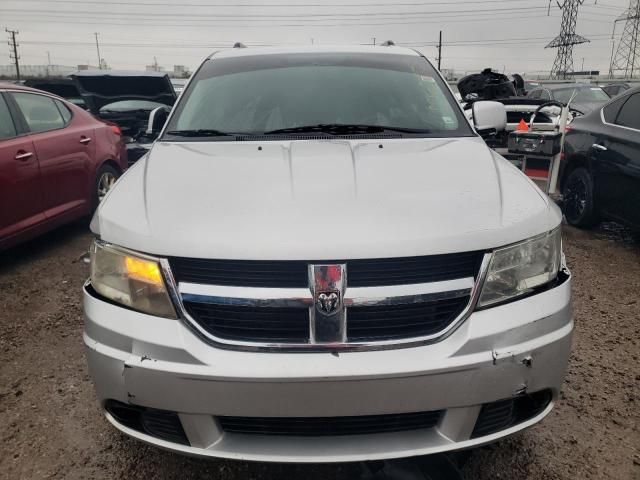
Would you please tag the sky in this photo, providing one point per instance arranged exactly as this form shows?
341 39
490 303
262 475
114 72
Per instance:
507 35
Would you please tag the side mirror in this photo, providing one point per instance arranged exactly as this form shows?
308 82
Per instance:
157 119
489 117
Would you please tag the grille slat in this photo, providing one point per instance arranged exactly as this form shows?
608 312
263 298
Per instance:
329 426
402 321
287 325
294 273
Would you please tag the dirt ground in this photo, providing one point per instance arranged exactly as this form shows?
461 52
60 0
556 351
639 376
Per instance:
51 427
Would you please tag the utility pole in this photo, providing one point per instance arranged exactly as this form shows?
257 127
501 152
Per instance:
374 41
14 56
48 62
98 49
440 50
564 42
627 57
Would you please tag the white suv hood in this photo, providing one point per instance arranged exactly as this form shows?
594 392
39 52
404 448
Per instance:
322 199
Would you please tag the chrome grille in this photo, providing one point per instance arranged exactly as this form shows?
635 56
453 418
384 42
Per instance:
294 273
328 312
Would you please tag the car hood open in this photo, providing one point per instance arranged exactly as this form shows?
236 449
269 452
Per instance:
101 87
322 199
63 87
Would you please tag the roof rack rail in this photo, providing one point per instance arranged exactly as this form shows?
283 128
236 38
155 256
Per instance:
388 43
239 45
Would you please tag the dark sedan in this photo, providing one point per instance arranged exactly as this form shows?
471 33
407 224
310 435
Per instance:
601 171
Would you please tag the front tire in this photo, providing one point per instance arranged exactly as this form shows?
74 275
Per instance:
106 177
578 199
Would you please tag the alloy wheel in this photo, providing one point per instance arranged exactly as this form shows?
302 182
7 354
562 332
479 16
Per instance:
106 181
575 198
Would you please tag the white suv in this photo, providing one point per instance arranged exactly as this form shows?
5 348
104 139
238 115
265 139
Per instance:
320 260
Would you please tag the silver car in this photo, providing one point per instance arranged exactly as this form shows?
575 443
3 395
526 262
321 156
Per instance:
320 260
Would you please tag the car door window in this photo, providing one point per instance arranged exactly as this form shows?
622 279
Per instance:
629 115
610 112
40 112
64 111
535 94
7 127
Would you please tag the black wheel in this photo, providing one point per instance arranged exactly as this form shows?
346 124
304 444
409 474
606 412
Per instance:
106 177
578 202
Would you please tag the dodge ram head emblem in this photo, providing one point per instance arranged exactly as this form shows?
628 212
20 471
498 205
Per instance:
328 302
327 313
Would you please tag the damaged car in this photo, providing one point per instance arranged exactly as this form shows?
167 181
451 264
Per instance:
320 260
543 115
138 102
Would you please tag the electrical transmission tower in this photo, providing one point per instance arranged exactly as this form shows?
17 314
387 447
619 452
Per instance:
627 57
563 64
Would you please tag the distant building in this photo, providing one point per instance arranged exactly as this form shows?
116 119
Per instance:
36 71
154 68
180 71
87 67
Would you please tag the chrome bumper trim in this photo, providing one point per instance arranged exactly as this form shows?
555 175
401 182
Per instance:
302 297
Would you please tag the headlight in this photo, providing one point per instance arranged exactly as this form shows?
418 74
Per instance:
130 279
518 269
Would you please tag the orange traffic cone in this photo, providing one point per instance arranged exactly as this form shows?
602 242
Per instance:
522 126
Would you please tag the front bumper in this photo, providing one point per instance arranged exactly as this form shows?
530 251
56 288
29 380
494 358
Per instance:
497 353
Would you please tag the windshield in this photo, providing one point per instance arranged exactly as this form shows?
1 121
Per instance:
583 95
126 105
258 94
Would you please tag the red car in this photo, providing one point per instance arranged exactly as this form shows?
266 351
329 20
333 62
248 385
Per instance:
56 162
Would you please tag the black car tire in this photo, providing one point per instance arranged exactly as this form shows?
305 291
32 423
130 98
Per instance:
578 202
105 178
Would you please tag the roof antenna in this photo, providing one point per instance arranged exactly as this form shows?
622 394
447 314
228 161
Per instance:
239 45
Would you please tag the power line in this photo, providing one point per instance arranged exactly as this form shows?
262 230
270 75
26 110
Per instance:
228 43
138 23
15 57
272 5
270 17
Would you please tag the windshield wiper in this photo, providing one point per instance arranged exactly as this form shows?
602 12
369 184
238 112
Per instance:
342 129
201 132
